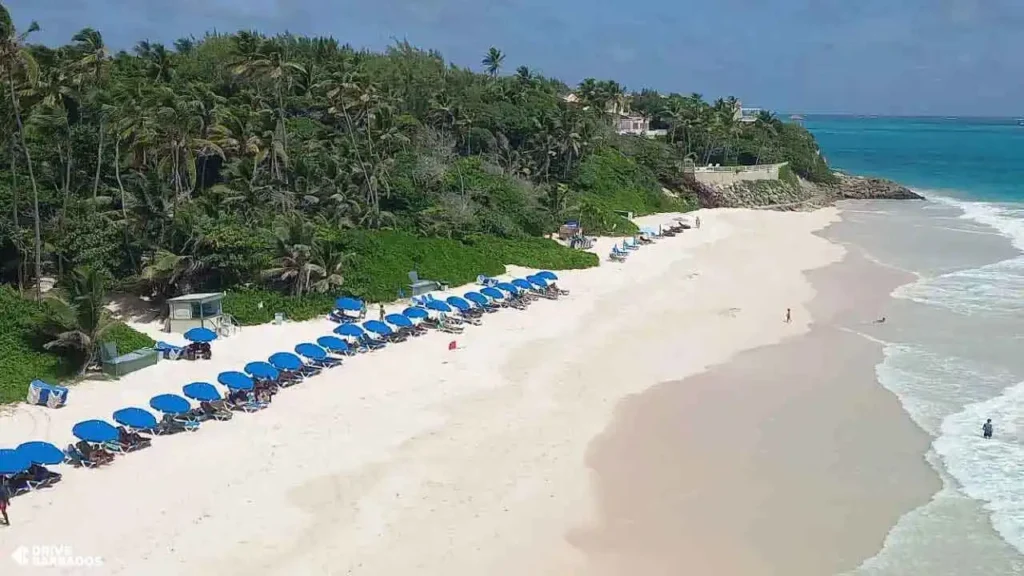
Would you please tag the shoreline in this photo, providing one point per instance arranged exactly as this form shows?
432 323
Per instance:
837 460
420 459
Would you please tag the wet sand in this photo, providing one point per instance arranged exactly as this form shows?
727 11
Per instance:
788 460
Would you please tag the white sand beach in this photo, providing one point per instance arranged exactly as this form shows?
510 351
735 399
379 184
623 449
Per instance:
416 459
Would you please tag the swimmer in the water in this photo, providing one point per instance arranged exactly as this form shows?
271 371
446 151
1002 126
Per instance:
880 320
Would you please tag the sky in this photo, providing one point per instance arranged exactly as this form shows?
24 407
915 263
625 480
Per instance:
885 57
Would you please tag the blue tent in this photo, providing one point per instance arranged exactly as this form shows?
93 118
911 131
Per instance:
235 380
477 298
286 361
200 335
547 275
311 351
537 281
333 343
378 327
400 320
350 304
12 462
438 305
169 404
42 453
262 371
492 292
507 287
135 418
96 431
522 284
415 313
350 330
200 392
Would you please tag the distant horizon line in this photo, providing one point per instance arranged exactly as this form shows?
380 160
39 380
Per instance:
901 116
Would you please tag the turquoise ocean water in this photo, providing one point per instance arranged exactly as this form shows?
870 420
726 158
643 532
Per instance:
954 343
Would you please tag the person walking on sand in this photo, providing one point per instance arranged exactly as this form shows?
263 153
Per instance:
382 312
789 315
698 222
5 499
986 428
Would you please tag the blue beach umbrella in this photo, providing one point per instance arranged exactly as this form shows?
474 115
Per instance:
96 431
438 305
350 304
42 453
477 298
235 380
400 320
537 281
378 327
12 462
547 275
136 418
286 361
200 335
262 370
507 287
460 303
415 313
201 392
492 292
333 343
522 284
351 330
169 404
311 351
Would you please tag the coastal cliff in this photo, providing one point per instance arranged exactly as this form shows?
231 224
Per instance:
799 194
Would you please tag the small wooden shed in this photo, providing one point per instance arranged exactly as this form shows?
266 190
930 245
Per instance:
195 311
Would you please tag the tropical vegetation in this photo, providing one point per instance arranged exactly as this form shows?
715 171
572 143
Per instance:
288 169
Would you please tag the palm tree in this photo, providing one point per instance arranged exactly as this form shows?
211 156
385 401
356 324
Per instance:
492 61
15 59
294 264
329 261
77 319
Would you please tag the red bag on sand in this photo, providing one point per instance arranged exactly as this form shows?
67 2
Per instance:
452 345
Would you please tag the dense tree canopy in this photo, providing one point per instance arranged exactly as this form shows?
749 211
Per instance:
247 159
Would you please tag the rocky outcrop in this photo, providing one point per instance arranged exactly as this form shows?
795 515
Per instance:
783 195
863 188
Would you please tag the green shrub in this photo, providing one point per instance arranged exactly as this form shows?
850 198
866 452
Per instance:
381 262
127 338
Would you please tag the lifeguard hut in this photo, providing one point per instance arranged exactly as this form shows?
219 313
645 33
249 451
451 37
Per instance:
196 311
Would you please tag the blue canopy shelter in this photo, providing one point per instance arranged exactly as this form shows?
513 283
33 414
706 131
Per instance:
169 404
415 313
12 462
492 292
311 351
522 284
200 335
96 431
351 330
507 287
460 303
235 380
438 306
333 343
400 320
547 275
349 304
537 281
262 371
136 418
42 453
201 392
477 298
286 361
378 327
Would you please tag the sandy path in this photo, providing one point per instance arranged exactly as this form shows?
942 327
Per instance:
416 459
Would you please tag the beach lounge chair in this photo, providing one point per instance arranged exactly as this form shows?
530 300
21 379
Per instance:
94 453
486 280
216 410
129 441
75 457
244 401
169 351
34 478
